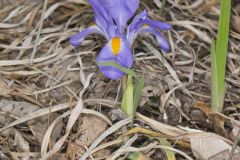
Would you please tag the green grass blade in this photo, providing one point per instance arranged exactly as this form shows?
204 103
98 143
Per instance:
132 95
170 154
137 156
214 86
219 57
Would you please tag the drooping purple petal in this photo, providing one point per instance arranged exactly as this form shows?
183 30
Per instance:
101 16
150 26
140 22
77 39
120 10
131 32
141 16
123 58
152 23
162 41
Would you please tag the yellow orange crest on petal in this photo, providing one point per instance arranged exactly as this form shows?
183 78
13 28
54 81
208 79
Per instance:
116 45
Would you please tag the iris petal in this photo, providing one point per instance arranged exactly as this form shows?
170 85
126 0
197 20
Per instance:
111 17
101 16
120 10
123 58
150 26
163 42
152 23
130 32
141 16
141 23
77 39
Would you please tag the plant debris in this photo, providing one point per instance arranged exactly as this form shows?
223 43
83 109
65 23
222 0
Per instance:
54 102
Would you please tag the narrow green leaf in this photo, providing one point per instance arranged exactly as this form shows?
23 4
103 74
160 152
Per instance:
219 57
133 156
127 100
138 92
170 154
114 64
214 81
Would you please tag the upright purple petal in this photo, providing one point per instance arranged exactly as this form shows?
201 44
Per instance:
100 14
77 39
123 58
120 10
102 18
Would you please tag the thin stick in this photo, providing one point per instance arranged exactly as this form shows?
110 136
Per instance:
39 31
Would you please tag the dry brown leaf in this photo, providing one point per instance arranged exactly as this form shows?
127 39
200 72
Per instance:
234 133
75 150
217 121
20 142
163 128
37 126
225 155
205 148
19 109
90 128
25 89
106 133
74 115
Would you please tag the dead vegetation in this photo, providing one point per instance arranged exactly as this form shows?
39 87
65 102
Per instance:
55 104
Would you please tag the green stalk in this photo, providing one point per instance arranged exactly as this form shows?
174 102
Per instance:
131 93
219 57
127 100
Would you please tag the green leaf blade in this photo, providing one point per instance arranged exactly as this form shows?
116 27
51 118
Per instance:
219 57
127 100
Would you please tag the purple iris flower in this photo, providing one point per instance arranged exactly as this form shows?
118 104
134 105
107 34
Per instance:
111 18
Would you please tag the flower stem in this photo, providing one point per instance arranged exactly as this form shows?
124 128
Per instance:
127 99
